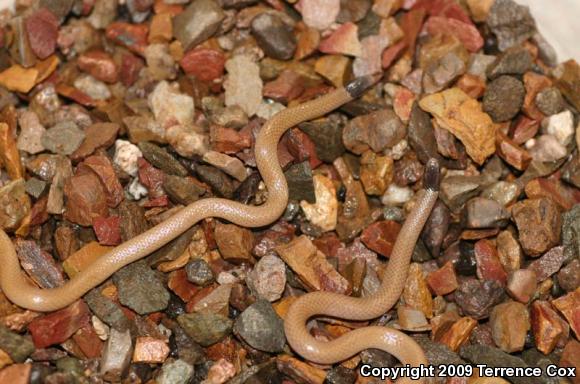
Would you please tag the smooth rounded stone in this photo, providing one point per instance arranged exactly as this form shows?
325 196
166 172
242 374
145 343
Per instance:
261 327
503 98
160 158
300 182
205 328
476 298
485 213
199 272
243 85
569 276
495 357
516 61
511 23
274 36
436 228
502 192
550 101
197 23
561 126
182 190
175 372
140 288
340 375
268 278
64 138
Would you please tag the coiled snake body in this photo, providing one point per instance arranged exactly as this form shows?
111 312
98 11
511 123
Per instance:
15 286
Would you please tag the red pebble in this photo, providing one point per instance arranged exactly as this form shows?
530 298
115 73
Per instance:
151 177
301 147
466 33
380 236
443 281
205 64
108 230
393 53
488 264
88 341
287 87
42 30
57 327
100 65
131 36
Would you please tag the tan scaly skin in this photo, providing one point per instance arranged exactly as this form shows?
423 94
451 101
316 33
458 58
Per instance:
16 287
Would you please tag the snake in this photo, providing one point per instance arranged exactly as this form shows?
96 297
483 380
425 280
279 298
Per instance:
18 289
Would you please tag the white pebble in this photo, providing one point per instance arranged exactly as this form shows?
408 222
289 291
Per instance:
126 156
396 195
137 190
94 88
243 85
561 126
169 106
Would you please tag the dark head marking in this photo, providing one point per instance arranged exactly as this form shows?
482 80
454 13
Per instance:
431 178
359 85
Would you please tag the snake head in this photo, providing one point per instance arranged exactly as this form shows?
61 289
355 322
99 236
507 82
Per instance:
359 85
431 178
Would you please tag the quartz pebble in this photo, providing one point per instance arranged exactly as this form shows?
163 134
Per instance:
169 106
324 212
561 126
126 156
268 278
243 85
319 14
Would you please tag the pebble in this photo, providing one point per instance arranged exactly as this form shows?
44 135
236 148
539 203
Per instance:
570 232
205 328
376 172
160 158
444 280
343 41
510 323
100 65
396 196
234 243
511 23
197 23
38 264
546 148
370 60
261 327
521 285
102 167
150 350
58 326
216 301
380 236
218 180
440 73
31 133
324 213
537 232
228 164
160 62
569 306
550 101
64 138
243 85
93 88
511 153
42 31
485 213
378 131
83 257
503 98
274 36
515 61
268 278
85 199
301 183
327 137
140 288
175 372
126 156
169 106
416 293
570 356
17 347
311 265
319 14
335 68
199 272
35 187
534 84
14 205
98 135
569 276
568 81
206 64
16 374
116 355
186 141
108 230
509 251
464 118
476 297
287 87
548 264
561 126
547 327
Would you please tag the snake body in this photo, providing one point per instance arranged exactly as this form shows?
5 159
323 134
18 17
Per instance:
16 287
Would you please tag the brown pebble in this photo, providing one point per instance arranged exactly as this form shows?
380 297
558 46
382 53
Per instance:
539 225
510 323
